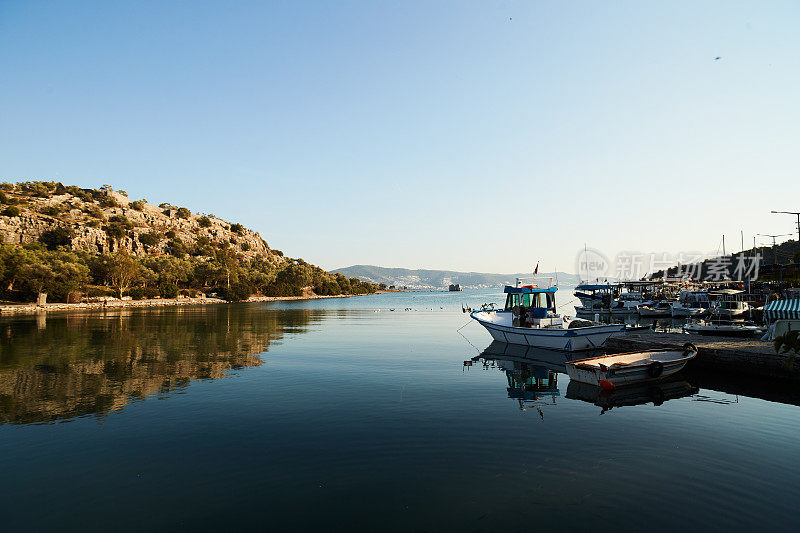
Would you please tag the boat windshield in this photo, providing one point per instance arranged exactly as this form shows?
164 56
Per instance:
537 299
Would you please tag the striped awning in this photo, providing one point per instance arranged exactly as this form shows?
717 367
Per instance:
787 309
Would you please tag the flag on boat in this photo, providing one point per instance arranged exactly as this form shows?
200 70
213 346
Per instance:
536 270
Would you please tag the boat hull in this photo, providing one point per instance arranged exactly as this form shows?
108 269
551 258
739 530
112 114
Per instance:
612 376
570 340
722 331
654 313
616 311
624 377
688 312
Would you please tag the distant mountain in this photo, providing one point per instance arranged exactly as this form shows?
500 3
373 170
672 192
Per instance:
440 279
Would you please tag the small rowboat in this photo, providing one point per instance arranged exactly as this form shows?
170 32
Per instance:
611 371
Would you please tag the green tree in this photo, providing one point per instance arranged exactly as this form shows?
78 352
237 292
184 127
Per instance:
123 270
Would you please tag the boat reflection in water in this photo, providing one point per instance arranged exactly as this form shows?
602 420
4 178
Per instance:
532 375
655 393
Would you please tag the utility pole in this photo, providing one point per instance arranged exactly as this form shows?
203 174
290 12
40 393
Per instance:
795 213
773 237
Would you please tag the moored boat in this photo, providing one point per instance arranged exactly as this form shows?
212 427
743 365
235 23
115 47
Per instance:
690 304
611 371
726 328
530 318
655 310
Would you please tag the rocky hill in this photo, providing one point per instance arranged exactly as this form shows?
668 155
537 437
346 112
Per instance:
70 244
105 221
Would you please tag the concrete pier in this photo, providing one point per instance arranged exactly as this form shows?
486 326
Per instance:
744 357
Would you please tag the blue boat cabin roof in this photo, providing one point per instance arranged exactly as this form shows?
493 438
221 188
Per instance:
528 290
588 287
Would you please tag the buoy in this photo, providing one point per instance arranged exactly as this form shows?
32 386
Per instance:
606 385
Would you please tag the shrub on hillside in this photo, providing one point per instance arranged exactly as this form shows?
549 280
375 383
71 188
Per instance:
238 229
138 205
107 201
115 231
151 292
204 222
121 220
236 293
94 211
137 293
168 290
150 239
182 212
11 211
177 248
56 237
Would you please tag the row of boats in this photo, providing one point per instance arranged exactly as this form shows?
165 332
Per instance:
653 299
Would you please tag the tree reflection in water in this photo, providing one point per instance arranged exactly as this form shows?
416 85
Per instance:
60 366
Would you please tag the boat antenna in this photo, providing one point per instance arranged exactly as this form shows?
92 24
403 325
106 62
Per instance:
585 253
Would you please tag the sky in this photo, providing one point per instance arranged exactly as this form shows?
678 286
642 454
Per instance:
475 136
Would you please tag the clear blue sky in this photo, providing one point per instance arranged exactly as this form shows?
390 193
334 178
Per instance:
465 135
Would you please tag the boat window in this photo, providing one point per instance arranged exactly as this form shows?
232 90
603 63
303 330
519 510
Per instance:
511 301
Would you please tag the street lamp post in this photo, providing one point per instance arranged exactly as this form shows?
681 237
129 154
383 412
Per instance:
773 237
795 213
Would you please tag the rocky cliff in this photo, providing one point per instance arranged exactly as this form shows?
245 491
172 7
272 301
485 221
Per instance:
102 221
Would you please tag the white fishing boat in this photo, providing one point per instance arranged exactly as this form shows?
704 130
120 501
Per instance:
611 371
725 328
530 319
729 308
690 304
655 310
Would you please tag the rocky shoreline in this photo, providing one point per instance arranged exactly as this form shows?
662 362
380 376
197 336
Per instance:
31 308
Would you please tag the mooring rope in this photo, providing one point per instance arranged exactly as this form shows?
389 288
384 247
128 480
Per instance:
569 302
466 339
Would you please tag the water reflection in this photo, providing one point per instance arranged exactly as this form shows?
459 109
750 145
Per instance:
57 367
656 393
532 375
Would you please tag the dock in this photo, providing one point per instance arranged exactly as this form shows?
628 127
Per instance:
729 355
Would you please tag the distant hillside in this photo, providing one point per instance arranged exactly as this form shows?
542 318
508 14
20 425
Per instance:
439 279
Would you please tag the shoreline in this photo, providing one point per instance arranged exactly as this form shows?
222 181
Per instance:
32 308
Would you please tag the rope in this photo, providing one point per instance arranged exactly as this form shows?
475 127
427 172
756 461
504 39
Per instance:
466 339
569 302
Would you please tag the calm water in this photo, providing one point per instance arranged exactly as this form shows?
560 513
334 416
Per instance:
344 415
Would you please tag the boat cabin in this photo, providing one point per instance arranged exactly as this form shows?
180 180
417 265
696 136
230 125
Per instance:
540 301
589 293
694 299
